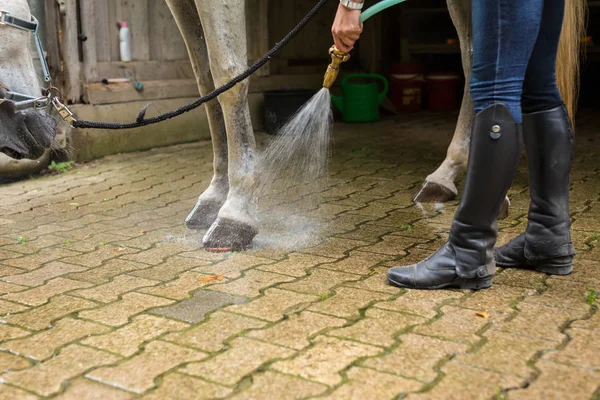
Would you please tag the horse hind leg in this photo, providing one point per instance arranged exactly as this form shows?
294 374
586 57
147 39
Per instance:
212 199
224 23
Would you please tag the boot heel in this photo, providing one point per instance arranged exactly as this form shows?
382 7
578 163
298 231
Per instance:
556 266
477 283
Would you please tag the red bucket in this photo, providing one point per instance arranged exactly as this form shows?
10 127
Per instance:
406 86
442 91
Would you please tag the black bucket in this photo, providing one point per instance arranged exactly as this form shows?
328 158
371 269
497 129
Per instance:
280 105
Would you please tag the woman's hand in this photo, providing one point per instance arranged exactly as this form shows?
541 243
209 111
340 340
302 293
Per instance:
346 28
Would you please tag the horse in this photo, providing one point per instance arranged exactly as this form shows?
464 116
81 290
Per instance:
439 186
28 133
214 34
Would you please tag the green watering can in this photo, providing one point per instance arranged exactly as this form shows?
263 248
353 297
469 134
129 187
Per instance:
360 101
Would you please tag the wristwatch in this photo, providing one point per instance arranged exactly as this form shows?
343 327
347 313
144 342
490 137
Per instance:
353 5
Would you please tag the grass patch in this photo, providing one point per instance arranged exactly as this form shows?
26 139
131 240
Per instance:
591 295
61 167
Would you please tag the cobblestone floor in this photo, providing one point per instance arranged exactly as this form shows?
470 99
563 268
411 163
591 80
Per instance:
105 295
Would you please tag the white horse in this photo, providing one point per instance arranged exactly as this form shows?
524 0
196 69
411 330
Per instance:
28 133
215 34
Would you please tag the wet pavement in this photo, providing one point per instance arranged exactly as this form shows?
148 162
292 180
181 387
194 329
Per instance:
104 294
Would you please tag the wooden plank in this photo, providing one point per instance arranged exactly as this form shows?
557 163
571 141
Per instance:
257 27
136 14
103 28
52 48
97 93
173 46
89 28
155 15
114 14
70 53
148 70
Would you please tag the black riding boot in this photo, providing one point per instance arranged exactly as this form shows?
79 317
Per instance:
466 261
546 244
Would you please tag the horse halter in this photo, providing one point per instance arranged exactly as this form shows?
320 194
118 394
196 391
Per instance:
22 101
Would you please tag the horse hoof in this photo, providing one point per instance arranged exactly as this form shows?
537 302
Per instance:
432 192
504 209
229 235
203 215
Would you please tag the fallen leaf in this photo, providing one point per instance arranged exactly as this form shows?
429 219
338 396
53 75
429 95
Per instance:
211 278
74 204
483 315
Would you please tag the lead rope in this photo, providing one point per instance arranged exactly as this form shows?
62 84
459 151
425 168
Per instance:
68 116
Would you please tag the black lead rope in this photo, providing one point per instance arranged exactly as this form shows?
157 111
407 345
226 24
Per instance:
189 107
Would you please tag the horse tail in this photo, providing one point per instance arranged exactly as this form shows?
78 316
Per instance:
567 64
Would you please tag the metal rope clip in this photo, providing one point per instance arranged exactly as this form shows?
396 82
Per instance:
63 111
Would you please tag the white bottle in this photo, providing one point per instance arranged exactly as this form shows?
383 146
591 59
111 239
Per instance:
125 41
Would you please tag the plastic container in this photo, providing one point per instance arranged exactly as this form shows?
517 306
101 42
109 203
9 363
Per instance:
406 92
280 105
361 98
124 41
442 91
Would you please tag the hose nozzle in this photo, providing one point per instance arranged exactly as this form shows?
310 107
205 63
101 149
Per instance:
337 58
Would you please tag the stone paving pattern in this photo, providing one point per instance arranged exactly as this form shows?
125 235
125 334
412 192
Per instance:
104 294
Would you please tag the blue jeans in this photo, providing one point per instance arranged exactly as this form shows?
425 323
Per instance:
514 54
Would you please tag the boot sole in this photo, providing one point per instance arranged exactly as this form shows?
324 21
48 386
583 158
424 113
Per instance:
471 284
551 268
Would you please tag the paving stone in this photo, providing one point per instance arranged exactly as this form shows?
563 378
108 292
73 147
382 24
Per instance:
325 360
41 346
233 266
11 332
241 359
126 340
181 287
284 387
457 324
585 271
366 384
41 275
111 291
98 257
347 302
421 302
295 264
41 317
320 281
295 330
47 377
358 262
506 353
12 362
539 321
592 323
376 282
416 357
158 254
378 327
473 383
274 305
211 335
201 303
251 283
8 288
499 300
119 312
40 258
169 269
7 307
138 373
86 389
108 271
581 351
184 387
521 278
563 294
41 294
12 393
558 381
6 270
336 248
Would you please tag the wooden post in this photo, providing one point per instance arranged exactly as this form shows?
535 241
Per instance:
257 20
70 53
90 58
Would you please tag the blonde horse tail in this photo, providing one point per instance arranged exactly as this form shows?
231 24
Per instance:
567 64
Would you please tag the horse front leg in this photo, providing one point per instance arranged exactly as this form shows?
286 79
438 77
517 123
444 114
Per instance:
212 199
224 24
439 186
